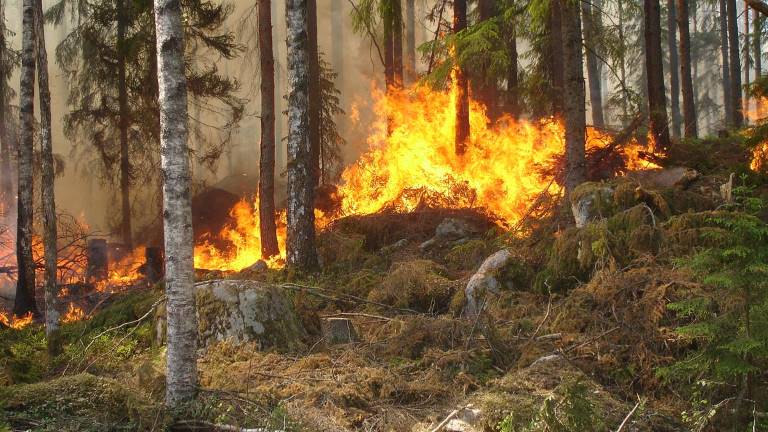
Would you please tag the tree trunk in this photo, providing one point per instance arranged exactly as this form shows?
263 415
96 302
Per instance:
280 150
462 87
267 228
486 90
314 93
591 29
124 122
556 55
337 41
7 197
573 98
689 105
47 180
757 42
726 68
674 67
746 58
513 93
397 43
25 285
735 63
657 105
410 41
181 357
300 248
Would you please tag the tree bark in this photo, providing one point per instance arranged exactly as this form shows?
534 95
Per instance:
745 88
689 104
462 86
410 41
397 42
591 28
757 42
7 197
657 105
267 228
181 357
25 285
337 40
513 93
674 67
300 248
280 149
486 89
314 93
726 68
734 63
574 97
48 196
124 122
556 54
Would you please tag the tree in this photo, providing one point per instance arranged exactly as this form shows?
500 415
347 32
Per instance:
25 284
574 96
757 43
7 64
123 125
657 105
462 85
555 48
726 67
181 381
410 40
484 82
300 242
591 30
513 93
48 197
674 67
314 90
267 227
734 64
689 107
745 88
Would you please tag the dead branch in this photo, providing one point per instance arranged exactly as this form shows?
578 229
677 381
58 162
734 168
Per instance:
759 6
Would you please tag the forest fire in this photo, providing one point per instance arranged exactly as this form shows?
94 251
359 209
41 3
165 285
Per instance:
15 322
412 162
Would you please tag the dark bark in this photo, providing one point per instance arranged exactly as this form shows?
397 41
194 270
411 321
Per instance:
555 44
280 149
397 43
267 228
486 88
513 94
124 122
674 68
300 247
734 63
314 92
337 42
7 197
757 42
410 41
745 84
389 54
591 28
726 68
462 86
689 105
657 105
25 284
574 97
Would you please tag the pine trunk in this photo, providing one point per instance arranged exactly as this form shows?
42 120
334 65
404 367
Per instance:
181 356
300 248
689 105
124 122
397 43
591 28
25 285
573 97
674 68
280 150
513 93
462 87
734 63
267 228
757 42
337 41
47 181
314 93
556 55
745 84
7 197
726 68
486 90
657 105
410 41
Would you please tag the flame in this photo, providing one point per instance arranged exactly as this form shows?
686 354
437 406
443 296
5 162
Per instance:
74 313
15 322
758 114
123 272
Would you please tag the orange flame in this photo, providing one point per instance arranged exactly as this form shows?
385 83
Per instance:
74 313
15 322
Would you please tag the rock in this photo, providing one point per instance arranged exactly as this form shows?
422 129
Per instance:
337 331
485 281
243 311
589 202
467 419
453 229
665 178
395 246
257 267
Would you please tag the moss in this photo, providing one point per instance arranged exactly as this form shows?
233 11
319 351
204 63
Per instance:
23 355
602 195
419 284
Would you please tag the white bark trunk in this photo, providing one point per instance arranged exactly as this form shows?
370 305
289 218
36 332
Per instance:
181 381
49 202
300 246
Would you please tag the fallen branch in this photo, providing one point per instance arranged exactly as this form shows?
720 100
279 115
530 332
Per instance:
357 314
590 340
626 419
446 420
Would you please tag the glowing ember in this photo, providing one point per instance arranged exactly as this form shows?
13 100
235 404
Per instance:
74 313
15 322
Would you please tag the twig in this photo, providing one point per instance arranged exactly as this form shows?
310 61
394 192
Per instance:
590 340
446 420
626 419
344 314
546 315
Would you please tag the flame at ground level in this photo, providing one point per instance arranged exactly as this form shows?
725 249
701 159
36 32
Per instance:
412 159
15 322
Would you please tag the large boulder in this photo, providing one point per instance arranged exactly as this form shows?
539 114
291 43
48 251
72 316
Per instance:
244 311
486 281
591 201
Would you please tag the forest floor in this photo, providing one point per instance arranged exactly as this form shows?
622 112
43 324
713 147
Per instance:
578 332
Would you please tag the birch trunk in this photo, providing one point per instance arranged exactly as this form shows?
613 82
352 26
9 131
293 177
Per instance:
300 248
124 122
267 228
574 97
657 105
48 198
674 68
25 285
689 104
734 63
181 378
